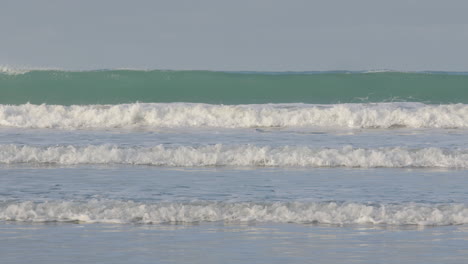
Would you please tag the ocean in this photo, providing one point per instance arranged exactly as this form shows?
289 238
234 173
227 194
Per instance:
133 166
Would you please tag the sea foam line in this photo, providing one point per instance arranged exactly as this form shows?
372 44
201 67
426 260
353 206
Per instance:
97 211
174 115
9 70
236 155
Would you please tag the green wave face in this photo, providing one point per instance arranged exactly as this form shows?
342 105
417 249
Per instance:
127 86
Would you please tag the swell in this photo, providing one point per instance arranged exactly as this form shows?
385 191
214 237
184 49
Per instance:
237 155
128 86
96 211
177 115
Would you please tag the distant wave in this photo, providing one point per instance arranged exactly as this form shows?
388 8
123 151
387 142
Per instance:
96 211
12 71
9 70
236 155
6 69
177 115
157 86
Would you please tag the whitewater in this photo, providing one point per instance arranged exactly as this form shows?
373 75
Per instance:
241 155
151 115
95 211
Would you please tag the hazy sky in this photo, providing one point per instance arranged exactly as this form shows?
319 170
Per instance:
262 35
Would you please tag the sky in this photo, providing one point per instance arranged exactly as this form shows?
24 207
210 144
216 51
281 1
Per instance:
236 35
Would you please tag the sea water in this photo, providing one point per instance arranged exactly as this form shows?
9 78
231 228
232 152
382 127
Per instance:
252 178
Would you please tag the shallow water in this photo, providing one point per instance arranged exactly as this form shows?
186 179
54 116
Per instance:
148 183
203 194
230 241
238 243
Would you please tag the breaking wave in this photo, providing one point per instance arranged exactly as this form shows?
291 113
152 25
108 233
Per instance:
173 115
97 211
61 87
236 155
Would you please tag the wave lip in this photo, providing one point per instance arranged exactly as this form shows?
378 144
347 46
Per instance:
236 155
96 211
176 115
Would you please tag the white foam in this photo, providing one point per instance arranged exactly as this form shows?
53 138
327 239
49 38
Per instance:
12 71
236 155
96 211
18 70
378 115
